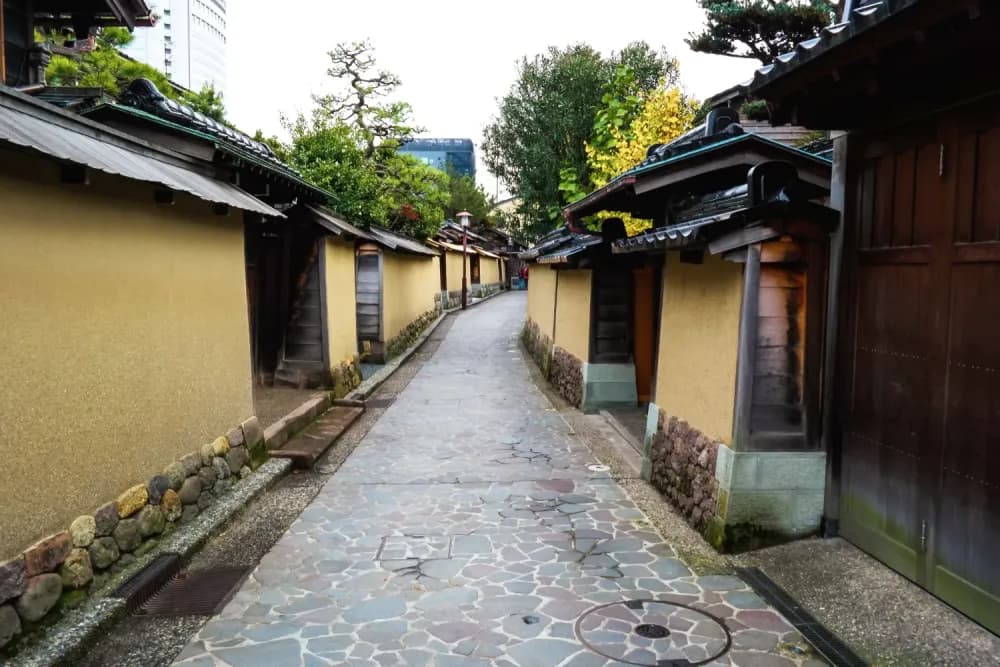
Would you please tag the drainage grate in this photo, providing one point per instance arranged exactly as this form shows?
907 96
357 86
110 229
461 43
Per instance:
836 652
380 402
195 593
151 578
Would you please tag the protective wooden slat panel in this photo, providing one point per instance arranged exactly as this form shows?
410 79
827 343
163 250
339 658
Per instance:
866 205
986 216
968 542
927 193
903 195
966 183
882 225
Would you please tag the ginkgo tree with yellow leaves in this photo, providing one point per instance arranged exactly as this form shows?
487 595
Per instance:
627 124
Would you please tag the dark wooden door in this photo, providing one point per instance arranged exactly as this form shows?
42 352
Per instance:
644 329
921 464
611 328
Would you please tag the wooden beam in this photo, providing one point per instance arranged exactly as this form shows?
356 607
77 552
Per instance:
742 238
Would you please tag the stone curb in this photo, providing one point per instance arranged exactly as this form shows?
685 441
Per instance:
281 431
368 387
69 636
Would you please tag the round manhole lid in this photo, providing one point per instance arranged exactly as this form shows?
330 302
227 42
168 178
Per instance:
653 632
598 467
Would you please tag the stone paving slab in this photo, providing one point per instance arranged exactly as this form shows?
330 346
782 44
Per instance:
467 530
309 445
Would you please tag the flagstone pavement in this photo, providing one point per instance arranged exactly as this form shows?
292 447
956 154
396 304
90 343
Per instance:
467 530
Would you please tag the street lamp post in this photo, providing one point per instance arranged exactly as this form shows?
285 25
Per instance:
463 218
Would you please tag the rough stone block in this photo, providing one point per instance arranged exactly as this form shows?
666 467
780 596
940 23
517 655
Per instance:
13 578
39 597
128 534
205 499
208 475
222 470
207 454
83 530
151 521
156 487
191 463
48 554
220 446
104 552
189 514
132 500
171 505
235 437
10 624
252 432
237 457
176 473
76 570
190 491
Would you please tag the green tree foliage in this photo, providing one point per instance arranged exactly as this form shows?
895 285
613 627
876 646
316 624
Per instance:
547 117
760 29
208 101
347 145
465 195
362 99
105 67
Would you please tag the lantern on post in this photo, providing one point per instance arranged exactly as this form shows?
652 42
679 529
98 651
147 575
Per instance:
463 218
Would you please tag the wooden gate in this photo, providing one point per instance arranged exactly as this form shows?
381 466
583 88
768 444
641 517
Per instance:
921 438
369 295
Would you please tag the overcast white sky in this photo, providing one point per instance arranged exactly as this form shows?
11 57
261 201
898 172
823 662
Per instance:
455 57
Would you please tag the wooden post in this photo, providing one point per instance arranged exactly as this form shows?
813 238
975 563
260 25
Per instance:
746 357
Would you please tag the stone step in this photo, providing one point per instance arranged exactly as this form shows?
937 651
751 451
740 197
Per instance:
306 447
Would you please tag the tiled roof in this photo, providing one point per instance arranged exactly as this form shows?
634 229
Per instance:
865 15
559 245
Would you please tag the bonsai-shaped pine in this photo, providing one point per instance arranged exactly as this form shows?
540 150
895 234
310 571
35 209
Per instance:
761 29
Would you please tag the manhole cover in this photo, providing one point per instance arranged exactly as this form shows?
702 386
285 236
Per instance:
598 467
653 633
199 592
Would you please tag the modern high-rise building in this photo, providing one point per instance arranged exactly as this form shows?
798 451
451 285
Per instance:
188 42
456 155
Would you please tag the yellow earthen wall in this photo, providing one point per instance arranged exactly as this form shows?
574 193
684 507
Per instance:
409 283
125 341
573 312
454 271
341 301
699 334
542 297
489 271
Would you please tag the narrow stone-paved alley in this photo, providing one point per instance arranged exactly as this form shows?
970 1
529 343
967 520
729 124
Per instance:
471 528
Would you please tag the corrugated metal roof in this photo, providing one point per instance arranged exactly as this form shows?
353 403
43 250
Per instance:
53 132
394 241
329 221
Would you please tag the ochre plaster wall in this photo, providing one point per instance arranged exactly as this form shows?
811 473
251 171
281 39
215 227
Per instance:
542 297
341 301
409 283
454 271
573 312
489 271
125 342
699 333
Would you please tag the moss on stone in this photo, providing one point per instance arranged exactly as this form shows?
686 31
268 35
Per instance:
345 377
409 335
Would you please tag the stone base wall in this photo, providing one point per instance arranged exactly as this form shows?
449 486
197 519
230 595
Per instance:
682 467
345 377
483 291
539 346
566 376
58 572
409 335
447 300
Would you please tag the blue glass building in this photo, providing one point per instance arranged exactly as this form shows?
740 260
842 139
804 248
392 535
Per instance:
459 154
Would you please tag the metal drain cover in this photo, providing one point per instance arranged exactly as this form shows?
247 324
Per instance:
195 593
653 633
598 467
